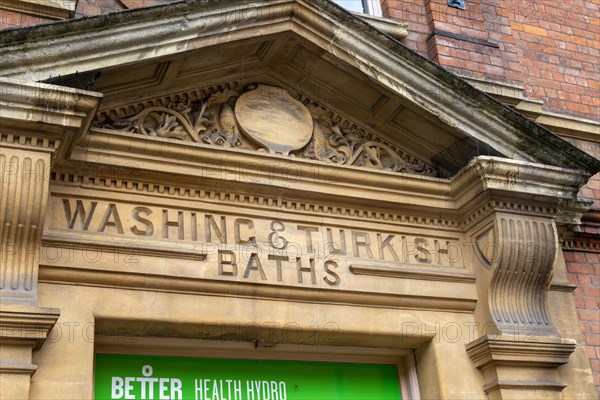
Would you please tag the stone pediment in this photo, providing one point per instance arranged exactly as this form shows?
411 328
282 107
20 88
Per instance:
262 118
410 110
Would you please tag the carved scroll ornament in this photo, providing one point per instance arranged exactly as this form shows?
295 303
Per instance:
522 262
267 118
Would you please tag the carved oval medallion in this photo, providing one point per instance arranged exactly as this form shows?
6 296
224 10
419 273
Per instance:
273 118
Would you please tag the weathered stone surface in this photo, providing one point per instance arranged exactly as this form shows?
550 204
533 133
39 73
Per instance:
37 123
273 118
168 220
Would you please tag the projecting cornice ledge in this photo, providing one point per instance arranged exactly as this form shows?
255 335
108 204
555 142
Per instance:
511 367
502 177
20 323
396 29
44 117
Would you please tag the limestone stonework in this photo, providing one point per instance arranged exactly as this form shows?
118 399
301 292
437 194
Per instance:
235 171
39 124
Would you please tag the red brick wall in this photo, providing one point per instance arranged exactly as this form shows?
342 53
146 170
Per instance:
584 270
97 7
583 267
413 12
592 192
10 19
550 47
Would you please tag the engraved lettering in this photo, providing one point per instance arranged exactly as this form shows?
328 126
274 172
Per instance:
278 260
309 230
250 238
404 249
167 223
286 250
111 212
361 239
386 244
331 246
311 268
85 217
276 241
423 254
255 265
440 251
211 225
227 258
148 226
329 264
194 226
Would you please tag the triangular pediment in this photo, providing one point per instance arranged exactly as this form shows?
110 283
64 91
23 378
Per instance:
262 118
381 104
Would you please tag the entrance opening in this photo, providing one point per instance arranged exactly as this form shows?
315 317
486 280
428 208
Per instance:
163 368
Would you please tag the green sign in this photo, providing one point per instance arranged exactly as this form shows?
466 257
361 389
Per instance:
157 377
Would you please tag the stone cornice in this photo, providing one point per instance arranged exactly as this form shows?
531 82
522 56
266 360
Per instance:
396 29
516 186
507 93
20 323
250 170
551 352
66 115
483 201
570 213
571 127
115 39
517 179
128 184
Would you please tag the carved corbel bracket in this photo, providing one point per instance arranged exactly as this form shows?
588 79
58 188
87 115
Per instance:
520 253
513 221
516 237
525 349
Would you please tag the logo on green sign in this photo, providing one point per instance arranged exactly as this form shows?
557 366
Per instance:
173 378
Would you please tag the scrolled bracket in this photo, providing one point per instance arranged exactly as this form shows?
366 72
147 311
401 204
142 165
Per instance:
522 268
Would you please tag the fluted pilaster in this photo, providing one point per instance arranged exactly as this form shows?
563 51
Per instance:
23 198
39 124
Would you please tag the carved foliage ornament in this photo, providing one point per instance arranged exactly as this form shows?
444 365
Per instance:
266 118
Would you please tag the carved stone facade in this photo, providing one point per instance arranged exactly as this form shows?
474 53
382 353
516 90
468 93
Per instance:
39 123
225 182
258 120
